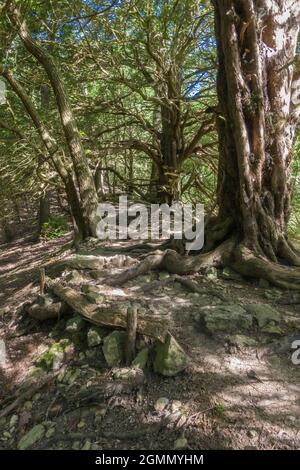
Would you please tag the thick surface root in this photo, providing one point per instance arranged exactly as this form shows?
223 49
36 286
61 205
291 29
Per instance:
175 263
247 263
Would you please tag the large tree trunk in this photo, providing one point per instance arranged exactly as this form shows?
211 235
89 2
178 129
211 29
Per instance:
257 93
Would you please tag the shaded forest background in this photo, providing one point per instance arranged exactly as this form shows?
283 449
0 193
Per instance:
140 77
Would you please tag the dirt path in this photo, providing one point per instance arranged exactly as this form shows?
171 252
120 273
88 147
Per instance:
231 395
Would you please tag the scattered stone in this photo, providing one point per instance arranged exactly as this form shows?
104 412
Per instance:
161 404
170 359
212 274
81 425
95 336
3 356
4 311
2 422
113 348
141 359
163 275
266 316
99 415
36 397
231 275
28 405
226 318
76 445
176 406
180 443
272 294
54 356
73 277
252 433
87 445
75 324
31 437
13 421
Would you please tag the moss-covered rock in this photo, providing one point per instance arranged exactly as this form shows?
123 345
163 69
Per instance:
226 318
75 324
140 361
54 356
267 317
113 348
170 359
95 336
31 437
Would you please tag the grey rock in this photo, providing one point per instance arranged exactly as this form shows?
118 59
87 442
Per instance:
267 317
85 262
180 443
161 404
226 318
170 358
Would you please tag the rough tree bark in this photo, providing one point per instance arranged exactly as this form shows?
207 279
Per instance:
258 91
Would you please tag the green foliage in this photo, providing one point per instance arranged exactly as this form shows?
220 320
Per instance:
219 409
294 223
56 227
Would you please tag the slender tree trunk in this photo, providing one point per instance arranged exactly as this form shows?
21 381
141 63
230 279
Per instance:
44 209
82 229
257 92
171 141
86 186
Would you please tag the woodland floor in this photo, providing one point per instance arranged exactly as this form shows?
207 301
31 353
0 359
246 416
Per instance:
230 397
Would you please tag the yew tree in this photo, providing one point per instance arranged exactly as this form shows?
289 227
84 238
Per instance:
258 88
258 85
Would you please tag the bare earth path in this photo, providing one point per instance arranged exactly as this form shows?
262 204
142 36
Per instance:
231 395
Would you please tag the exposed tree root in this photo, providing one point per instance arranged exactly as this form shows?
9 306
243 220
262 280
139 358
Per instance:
247 263
240 258
175 263
195 287
287 252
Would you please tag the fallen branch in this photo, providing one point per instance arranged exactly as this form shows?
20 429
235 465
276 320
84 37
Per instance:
110 313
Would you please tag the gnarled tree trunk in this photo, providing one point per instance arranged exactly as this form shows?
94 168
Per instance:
258 91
